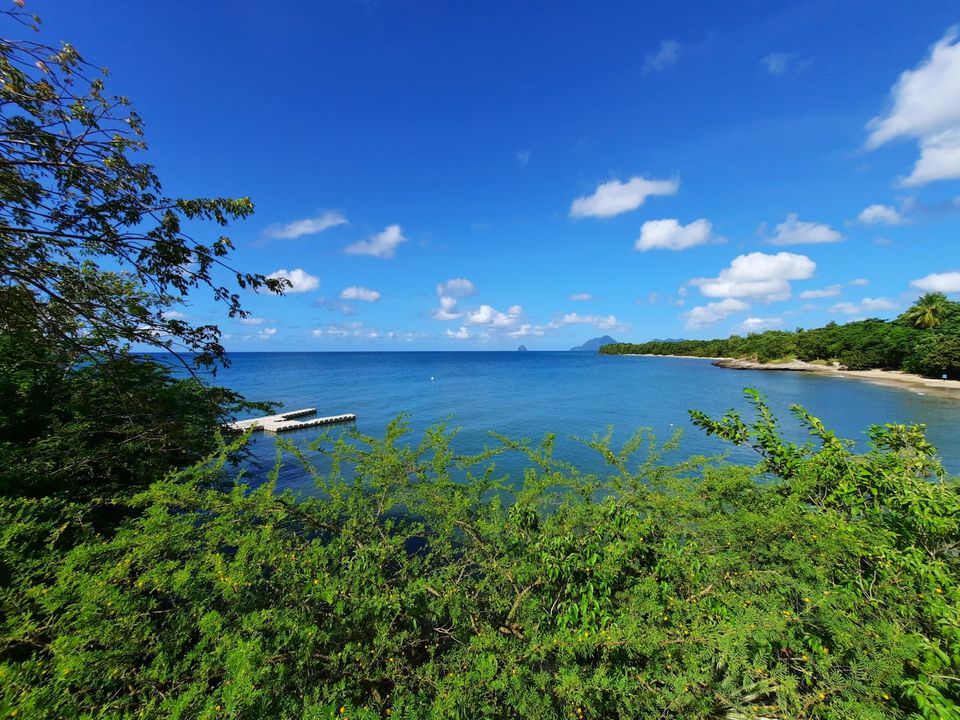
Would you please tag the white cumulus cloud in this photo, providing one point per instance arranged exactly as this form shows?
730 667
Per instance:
939 159
253 320
608 322
669 234
526 330
306 226
880 215
382 245
447 310
299 279
581 297
864 306
357 292
488 315
793 231
706 315
878 304
925 105
829 291
267 333
461 334
450 291
351 330
756 324
615 197
456 288
845 307
758 275
945 282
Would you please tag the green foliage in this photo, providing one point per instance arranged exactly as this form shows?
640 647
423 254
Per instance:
80 426
907 343
937 354
929 311
91 250
420 583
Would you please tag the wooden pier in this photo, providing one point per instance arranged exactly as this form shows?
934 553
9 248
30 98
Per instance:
287 421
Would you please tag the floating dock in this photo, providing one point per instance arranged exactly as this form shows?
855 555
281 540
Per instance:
287 421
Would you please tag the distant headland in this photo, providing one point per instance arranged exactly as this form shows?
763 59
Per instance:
594 344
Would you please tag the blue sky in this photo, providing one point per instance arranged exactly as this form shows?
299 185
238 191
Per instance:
458 175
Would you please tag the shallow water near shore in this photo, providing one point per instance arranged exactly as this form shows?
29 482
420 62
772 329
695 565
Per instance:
571 394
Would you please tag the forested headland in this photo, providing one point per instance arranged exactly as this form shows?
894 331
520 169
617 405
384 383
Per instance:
924 340
140 577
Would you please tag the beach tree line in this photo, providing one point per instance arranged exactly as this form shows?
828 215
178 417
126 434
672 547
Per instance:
925 339
142 577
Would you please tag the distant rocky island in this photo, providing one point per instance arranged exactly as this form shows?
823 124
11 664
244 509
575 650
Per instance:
594 344
522 348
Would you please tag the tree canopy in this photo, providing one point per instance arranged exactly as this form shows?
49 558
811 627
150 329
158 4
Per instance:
929 311
924 340
91 250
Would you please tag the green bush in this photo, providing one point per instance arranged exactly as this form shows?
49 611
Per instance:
81 426
420 583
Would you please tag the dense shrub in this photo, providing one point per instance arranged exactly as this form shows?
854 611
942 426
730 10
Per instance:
422 584
84 425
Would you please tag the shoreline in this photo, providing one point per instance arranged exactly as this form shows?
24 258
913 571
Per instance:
887 378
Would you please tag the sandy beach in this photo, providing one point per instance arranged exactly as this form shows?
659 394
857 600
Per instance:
890 378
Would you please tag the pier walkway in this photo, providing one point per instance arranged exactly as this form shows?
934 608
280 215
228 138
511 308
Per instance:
286 421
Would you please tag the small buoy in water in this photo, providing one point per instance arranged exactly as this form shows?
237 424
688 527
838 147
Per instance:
431 377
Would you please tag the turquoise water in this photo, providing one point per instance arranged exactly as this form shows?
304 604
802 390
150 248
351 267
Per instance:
570 394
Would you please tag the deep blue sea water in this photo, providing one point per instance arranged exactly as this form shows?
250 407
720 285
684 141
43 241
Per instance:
528 394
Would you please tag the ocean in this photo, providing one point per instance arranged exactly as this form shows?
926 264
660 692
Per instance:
574 395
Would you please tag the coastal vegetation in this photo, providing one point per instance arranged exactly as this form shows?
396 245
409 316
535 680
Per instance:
924 340
143 574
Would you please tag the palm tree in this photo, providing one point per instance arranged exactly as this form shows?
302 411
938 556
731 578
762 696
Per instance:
929 311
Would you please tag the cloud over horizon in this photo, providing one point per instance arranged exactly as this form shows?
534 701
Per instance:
450 291
757 324
864 306
945 282
462 334
758 275
710 314
608 322
488 315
